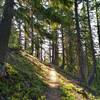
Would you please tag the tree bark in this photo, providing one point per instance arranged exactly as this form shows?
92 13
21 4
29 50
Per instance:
5 30
80 52
98 26
56 50
92 75
53 53
20 35
63 51
32 35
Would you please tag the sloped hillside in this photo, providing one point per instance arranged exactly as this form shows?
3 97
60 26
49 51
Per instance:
29 79
68 89
21 83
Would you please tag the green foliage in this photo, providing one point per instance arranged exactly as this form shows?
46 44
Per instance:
72 92
66 93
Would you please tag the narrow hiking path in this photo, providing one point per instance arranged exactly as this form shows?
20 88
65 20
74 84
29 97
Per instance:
53 92
56 82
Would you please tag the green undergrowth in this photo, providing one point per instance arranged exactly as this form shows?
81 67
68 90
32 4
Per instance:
71 92
66 94
21 82
75 92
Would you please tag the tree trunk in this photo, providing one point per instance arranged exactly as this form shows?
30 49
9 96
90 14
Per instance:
53 53
25 45
5 30
50 50
56 49
92 75
37 46
32 35
80 52
98 26
63 51
20 35
41 49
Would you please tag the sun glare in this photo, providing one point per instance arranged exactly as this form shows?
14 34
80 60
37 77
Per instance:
53 76
53 79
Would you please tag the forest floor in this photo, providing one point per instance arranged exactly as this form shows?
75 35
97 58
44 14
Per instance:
60 88
30 79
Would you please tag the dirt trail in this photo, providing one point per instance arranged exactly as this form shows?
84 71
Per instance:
53 92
